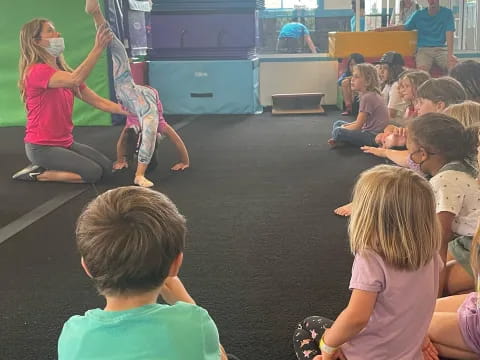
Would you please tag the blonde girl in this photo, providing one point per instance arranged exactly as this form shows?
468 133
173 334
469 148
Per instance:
468 112
395 276
373 115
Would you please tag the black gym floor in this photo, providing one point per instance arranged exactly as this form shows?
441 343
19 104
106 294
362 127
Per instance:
264 249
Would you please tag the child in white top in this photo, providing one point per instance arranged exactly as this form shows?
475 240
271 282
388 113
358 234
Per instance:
395 240
445 150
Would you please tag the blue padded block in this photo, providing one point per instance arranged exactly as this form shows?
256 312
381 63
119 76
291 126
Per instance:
207 87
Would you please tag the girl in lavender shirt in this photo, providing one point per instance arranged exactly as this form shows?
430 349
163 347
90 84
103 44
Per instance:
395 275
373 114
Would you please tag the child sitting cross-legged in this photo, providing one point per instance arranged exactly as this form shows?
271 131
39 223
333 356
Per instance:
394 283
373 115
131 242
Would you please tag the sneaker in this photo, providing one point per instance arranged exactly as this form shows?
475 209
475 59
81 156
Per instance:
29 173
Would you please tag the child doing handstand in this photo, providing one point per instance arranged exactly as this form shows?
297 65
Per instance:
141 101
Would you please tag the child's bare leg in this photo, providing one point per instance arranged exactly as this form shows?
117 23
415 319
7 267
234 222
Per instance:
93 8
121 152
140 178
453 353
445 333
458 280
347 94
345 210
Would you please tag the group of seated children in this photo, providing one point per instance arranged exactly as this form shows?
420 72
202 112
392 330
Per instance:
414 227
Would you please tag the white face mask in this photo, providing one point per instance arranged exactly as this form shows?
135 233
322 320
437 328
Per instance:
57 45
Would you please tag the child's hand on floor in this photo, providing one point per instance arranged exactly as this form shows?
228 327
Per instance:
429 351
338 355
180 166
119 165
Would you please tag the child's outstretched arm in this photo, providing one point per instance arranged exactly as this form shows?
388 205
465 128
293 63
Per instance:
121 161
173 291
351 321
182 150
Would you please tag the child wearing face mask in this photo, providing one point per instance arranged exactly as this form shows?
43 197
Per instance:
434 95
446 151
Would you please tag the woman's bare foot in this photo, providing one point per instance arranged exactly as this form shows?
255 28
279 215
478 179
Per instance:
119 165
142 181
91 6
345 210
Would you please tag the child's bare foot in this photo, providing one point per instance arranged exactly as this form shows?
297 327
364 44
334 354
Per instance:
334 144
119 165
345 210
142 181
91 6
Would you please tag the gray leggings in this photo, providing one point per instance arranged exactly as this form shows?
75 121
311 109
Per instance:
80 159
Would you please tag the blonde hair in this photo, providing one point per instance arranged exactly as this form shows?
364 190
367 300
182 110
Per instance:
369 73
468 112
31 52
416 78
396 217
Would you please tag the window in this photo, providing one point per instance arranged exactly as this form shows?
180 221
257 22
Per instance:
291 4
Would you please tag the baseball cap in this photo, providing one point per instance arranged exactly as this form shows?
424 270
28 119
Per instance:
391 58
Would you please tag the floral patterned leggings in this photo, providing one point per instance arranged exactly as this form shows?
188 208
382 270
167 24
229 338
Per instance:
306 338
137 99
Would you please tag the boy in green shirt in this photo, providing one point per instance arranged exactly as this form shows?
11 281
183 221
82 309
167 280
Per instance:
131 242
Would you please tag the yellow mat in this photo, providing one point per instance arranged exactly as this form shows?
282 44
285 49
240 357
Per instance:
371 43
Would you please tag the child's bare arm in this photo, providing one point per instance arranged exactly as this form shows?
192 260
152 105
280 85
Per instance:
182 150
173 291
121 151
358 123
353 319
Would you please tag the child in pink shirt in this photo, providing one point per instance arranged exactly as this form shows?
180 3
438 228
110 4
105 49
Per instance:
395 275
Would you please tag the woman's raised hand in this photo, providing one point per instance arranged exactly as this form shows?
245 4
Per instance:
103 37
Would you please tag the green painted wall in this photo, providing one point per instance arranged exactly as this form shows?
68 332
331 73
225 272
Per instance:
78 30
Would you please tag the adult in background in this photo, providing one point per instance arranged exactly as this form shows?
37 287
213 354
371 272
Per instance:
293 36
435 26
407 9
353 20
47 87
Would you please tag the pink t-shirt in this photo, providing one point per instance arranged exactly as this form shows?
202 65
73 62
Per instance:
49 110
402 313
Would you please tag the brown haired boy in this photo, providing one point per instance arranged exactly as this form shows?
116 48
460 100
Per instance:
131 241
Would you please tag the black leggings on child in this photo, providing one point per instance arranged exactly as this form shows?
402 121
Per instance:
306 338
